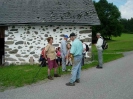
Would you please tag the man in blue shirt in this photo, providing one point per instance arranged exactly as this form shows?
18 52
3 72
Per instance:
76 50
64 52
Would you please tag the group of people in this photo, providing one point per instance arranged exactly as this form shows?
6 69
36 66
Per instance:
64 55
67 59
67 53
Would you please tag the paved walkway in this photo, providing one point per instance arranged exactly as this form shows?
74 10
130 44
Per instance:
114 81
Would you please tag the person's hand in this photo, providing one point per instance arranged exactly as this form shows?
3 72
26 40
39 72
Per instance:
66 57
46 58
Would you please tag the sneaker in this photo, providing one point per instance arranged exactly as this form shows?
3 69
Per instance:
69 70
70 84
50 77
77 81
64 70
99 67
57 75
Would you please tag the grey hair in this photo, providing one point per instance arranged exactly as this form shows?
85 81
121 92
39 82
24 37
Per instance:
98 34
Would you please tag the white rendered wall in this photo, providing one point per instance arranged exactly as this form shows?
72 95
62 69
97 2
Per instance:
23 42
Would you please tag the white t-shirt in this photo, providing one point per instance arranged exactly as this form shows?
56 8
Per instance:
84 48
99 43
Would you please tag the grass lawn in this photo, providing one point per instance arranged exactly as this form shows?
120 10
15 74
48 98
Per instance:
121 44
17 76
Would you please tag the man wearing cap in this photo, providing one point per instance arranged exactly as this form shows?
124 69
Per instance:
64 52
76 50
100 50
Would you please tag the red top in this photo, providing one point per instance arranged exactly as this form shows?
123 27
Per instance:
42 53
58 53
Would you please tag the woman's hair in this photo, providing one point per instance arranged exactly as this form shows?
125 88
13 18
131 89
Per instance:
81 41
67 45
49 38
58 48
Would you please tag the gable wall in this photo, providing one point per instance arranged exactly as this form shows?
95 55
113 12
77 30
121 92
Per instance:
23 42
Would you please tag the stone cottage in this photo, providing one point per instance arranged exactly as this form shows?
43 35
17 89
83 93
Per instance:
27 24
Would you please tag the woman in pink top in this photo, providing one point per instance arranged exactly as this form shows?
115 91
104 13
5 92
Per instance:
59 59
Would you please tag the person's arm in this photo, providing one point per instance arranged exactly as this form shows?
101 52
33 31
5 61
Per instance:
99 43
45 54
45 51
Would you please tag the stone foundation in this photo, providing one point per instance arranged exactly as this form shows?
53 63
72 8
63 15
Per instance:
24 42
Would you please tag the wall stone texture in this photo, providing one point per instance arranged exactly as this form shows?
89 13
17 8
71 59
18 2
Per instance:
23 43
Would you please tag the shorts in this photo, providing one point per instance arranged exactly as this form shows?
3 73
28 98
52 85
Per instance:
52 63
59 59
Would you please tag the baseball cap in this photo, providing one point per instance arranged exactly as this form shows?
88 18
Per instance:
65 36
72 34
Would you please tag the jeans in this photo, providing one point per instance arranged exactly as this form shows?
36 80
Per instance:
100 57
76 69
83 59
63 62
43 62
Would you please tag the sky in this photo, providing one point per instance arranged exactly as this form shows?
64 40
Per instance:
124 6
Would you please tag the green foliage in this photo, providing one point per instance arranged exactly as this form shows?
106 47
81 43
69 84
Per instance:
109 16
128 25
122 44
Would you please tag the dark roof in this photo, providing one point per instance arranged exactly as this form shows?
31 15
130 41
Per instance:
48 12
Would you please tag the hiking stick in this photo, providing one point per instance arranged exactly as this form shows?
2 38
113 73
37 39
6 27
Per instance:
39 70
36 74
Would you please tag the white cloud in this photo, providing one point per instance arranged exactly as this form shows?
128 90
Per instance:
127 9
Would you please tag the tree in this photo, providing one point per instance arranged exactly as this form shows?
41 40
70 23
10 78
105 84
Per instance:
109 16
128 25
125 25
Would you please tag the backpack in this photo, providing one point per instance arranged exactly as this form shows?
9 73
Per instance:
105 44
87 47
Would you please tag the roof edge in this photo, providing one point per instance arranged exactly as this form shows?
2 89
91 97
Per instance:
49 23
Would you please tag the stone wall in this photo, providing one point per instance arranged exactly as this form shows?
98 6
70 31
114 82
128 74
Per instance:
25 42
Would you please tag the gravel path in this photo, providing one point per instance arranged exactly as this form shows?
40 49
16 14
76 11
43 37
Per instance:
114 81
